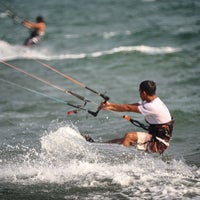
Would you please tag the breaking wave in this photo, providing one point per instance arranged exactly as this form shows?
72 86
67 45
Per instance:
11 52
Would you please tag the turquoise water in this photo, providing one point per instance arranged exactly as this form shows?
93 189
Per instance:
110 46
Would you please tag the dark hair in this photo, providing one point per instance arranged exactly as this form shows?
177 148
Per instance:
39 19
149 87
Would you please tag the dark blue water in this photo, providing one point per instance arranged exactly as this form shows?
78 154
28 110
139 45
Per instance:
110 46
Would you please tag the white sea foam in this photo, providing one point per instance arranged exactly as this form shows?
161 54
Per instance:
72 36
104 35
64 142
10 52
66 158
142 49
111 34
108 35
3 15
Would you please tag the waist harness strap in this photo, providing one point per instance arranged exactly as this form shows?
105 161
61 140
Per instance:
163 131
161 134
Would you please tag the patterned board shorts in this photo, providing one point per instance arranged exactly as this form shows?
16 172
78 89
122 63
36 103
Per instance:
145 143
143 138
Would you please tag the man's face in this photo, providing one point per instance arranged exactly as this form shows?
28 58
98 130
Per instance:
142 95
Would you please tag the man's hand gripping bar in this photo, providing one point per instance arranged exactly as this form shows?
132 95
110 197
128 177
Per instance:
106 98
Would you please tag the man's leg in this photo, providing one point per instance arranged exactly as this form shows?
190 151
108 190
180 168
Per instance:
130 138
127 140
140 138
116 141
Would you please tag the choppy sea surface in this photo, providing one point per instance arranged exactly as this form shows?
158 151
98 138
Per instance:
110 46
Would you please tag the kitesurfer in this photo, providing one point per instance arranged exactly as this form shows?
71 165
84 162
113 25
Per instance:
156 115
37 30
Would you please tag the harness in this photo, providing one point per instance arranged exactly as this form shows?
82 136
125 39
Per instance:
161 135
35 37
34 33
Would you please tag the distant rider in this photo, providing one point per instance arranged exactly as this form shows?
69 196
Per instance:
156 115
38 30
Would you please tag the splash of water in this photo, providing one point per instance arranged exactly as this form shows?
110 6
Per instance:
10 52
66 158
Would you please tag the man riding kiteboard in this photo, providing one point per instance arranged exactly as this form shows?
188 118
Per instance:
38 30
156 115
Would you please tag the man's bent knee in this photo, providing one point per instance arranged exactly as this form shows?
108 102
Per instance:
130 138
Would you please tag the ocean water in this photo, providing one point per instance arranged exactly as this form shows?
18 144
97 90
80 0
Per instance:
110 46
